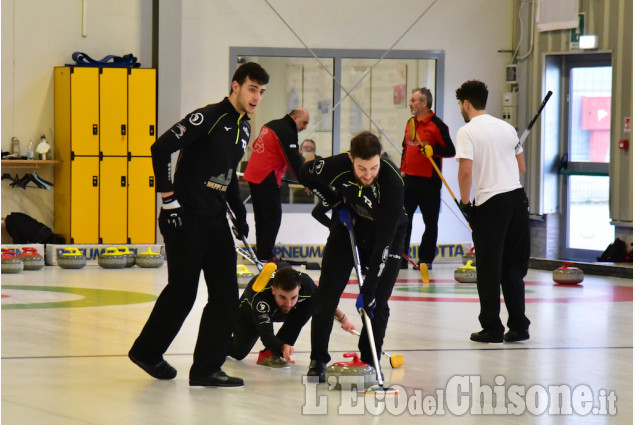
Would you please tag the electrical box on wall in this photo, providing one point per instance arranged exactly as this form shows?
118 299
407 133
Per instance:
510 108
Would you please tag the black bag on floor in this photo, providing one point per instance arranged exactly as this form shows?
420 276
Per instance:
25 229
615 252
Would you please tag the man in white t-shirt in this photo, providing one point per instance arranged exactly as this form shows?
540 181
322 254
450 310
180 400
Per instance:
491 159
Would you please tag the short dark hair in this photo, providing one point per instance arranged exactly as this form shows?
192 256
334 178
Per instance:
286 279
475 92
253 70
365 146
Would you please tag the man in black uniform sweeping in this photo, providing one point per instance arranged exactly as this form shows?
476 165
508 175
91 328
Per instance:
371 188
211 141
288 298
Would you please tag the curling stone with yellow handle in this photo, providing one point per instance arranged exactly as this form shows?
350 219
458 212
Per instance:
111 258
149 259
567 275
466 273
11 263
130 257
71 258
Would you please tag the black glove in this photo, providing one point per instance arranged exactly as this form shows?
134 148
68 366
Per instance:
172 212
468 211
367 303
240 228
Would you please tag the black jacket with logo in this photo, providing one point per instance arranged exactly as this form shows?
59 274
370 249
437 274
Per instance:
211 141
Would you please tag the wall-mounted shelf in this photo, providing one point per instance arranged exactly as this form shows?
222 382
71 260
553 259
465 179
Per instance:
27 163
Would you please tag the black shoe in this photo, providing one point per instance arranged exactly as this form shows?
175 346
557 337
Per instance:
161 370
484 336
217 379
515 336
404 265
318 369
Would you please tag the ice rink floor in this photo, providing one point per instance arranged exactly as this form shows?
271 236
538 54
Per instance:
66 334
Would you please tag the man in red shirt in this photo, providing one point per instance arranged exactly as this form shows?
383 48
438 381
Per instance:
424 132
275 149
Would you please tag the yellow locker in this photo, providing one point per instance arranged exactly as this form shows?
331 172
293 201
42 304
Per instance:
105 117
141 201
113 200
142 101
84 200
113 99
84 108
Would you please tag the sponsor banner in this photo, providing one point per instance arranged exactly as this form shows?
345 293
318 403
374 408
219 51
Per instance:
446 252
91 252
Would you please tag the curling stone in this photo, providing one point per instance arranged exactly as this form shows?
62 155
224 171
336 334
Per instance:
71 258
11 263
149 259
568 275
356 367
111 258
469 256
130 257
31 259
243 271
466 273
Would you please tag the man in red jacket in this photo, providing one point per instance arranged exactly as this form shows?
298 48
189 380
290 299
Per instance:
426 136
275 149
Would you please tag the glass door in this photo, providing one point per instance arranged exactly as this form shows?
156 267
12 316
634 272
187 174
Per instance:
585 171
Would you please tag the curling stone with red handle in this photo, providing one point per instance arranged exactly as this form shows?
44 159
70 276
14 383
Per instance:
568 275
469 256
356 367
31 258
11 263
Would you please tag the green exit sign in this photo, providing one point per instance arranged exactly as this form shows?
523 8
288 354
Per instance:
577 32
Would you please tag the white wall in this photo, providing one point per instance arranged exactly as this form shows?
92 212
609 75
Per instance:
469 31
38 35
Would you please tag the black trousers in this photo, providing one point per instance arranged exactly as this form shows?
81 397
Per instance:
425 193
337 264
267 205
246 334
202 244
501 241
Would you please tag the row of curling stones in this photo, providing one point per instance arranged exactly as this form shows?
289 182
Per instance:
28 259
567 275
111 258
466 273
355 367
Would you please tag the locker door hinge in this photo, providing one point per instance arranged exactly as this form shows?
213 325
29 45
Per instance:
72 155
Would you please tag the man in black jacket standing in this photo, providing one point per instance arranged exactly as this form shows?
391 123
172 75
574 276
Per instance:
211 142
371 188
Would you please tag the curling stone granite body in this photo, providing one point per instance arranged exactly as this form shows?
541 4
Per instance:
568 275
466 273
353 368
130 257
31 259
111 258
10 263
71 258
469 256
149 259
